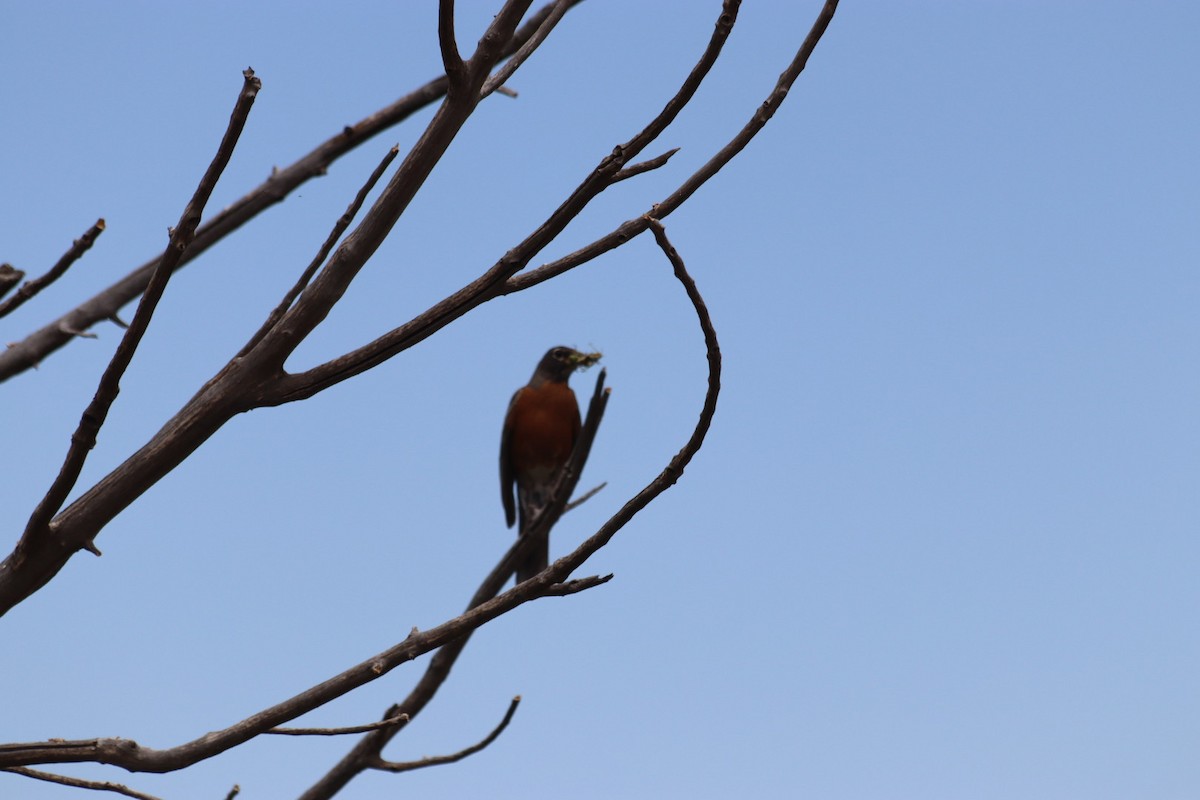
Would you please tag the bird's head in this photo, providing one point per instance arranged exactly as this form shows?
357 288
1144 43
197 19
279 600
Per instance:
559 362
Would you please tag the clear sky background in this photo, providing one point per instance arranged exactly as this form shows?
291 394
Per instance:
942 541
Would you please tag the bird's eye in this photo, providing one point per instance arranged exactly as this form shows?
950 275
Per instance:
560 354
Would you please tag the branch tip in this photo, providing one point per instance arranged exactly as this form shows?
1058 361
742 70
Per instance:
376 762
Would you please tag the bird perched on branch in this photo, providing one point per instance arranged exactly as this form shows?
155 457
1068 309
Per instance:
540 430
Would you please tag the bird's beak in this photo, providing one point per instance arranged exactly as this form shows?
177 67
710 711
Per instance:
584 360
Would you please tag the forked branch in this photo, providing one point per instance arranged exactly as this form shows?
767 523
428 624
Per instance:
256 378
660 210
496 280
434 761
30 351
251 379
84 438
31 288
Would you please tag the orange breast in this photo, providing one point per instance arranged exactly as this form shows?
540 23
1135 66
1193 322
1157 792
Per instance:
545 423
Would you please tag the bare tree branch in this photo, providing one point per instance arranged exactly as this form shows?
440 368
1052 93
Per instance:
369 748
329 285
583 498
674 469
493 282
451 61
23 355
79 783
576 586
246 380
78 248
399 719
450 636
645 166
338 229
433 761
258 379
497 81
255 378
84 438
660 210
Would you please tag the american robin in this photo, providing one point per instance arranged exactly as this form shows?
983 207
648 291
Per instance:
540 430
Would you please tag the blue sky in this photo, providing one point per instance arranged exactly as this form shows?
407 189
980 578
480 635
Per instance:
941 542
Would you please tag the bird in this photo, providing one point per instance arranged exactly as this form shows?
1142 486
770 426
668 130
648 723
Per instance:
540 429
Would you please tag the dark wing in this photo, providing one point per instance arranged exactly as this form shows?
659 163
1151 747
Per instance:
507 478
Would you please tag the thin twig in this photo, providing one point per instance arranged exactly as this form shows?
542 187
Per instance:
588 495
29 289
323 253
496 82
399 719
644 166
234 792
79 783
576 586
433 761
84 438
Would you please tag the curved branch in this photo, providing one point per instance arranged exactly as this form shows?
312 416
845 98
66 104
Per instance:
674 470
369 748
450 636
433 761
451 61
549 581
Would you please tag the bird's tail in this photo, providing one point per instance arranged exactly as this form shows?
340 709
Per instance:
537 560
531 502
